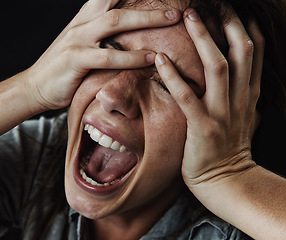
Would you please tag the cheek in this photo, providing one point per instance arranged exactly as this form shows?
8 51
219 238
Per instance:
165 132
83 97
86 92
88 89
167 136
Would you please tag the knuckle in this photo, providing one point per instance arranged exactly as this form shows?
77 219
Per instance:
256 35
247 47
113 17
256 94
212 130
202 33
149 17
219 66
259 41
128 59
105 59
84 5
184 95
71 35
243 45
69 53
240 106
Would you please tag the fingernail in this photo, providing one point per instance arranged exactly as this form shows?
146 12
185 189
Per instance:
160 59
150 58
192 15
171 15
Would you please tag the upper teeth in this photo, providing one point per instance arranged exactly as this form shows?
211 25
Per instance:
103 139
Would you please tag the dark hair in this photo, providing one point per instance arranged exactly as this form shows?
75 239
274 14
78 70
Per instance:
270 15
271 18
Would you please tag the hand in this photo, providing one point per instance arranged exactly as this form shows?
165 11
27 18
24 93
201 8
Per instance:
52 81
221 124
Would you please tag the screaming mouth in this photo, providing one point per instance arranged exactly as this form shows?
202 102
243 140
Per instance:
103 161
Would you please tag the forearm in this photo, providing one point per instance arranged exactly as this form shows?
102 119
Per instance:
17 102
254 201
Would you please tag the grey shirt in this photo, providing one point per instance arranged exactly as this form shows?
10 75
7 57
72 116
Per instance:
24 159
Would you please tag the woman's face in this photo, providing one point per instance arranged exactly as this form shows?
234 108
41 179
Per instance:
140 129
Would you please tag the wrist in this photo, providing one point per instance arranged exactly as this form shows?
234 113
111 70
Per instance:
219 170
34 98
206 188
17 101
222 183
226 191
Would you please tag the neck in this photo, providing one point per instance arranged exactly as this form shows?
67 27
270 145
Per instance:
134 223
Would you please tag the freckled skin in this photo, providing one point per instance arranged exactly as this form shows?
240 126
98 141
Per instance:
144 114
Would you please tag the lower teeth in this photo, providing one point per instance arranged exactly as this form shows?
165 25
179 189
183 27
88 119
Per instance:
95 183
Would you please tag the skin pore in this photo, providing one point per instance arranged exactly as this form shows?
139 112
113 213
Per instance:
132 107
193 126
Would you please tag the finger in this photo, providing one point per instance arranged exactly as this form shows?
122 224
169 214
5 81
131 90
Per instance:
215 64
91 10
257 66
255 80
90 58
102 6
122 20
240 59
179 89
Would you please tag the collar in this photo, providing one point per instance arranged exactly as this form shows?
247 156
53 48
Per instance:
181 221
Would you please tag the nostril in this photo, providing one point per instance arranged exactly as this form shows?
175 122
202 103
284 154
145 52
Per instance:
115 111
115 101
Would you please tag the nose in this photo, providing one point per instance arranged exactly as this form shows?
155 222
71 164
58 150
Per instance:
119 95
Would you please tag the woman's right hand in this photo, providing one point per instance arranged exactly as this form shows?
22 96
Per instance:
52 81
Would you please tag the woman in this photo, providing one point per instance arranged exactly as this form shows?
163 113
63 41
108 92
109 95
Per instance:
138 135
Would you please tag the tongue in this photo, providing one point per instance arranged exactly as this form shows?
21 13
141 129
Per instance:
106 165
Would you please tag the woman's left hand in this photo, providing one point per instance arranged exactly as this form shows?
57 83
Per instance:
221 124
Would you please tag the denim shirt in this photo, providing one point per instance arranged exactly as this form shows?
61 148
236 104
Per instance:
23 158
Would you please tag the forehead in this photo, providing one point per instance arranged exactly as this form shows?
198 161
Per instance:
174 41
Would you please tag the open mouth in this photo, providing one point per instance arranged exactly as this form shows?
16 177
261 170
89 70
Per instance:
103 162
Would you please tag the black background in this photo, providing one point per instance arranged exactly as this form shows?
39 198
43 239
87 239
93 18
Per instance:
27 28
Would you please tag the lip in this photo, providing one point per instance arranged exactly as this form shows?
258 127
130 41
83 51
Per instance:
99 190
105 129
